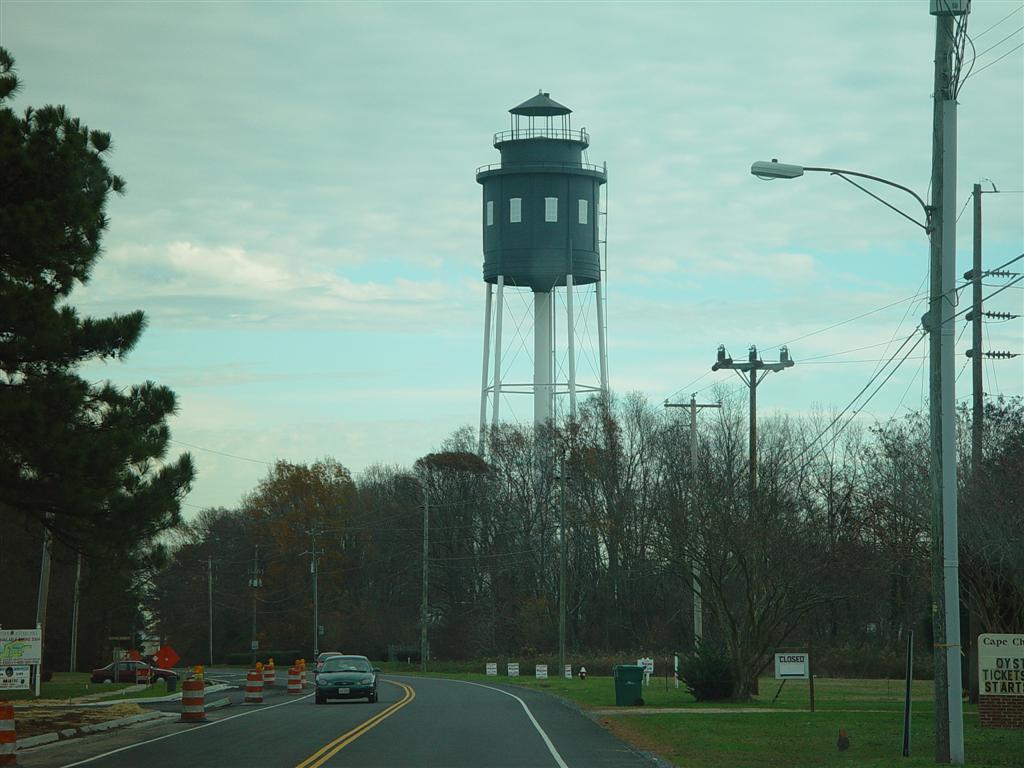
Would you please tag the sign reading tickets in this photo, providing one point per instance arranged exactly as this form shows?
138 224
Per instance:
14 678
492 668
792 665
513 669
20 647
542 672
1001 665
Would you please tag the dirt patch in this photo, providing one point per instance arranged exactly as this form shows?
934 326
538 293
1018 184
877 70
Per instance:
36 720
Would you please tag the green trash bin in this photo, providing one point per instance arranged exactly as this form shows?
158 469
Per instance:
629 682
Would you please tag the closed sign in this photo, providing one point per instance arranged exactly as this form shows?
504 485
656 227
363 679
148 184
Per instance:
792 665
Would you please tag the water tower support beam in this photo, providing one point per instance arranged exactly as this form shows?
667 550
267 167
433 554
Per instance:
497 352
571 334
487 361
542 350
602 350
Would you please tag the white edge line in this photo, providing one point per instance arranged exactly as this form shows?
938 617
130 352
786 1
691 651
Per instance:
190 730
551 747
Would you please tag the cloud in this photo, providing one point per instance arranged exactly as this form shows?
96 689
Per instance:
187 283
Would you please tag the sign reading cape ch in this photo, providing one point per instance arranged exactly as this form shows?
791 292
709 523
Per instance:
1001 681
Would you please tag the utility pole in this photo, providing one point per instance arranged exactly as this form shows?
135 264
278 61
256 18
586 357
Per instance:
978 404
43 597
426 568
74 615
562 556
255 582
752 373
209 598
698 600
977 353
949 737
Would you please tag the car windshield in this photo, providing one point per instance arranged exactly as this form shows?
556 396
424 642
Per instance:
343 664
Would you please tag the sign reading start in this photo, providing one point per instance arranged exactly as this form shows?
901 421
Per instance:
1001 665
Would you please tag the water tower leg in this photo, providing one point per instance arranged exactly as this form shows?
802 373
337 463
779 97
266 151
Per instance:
601 341
496 396
487 360
571 334
542 356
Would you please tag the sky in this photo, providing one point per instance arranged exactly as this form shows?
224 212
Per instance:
302 224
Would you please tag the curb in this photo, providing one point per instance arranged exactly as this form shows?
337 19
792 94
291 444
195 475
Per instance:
157 699
47 738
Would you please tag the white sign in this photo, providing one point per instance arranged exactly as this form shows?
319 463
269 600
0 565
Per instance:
513 669
568 671
20 647
492 669
1001 665
792 665
14 678
542 672
648 664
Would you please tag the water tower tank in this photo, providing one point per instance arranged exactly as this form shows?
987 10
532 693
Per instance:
540 202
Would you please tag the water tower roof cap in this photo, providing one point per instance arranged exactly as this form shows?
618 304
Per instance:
541 104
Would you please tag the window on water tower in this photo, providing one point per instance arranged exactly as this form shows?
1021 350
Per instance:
550 209
584 206
490 213
515 209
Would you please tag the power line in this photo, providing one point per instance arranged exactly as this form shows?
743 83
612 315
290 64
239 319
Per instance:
221 453
989 29
996 61
1018 29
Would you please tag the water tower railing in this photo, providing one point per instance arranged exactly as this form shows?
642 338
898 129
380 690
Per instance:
540 165
542 132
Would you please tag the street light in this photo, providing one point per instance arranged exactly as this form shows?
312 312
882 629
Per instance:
938 322
767 171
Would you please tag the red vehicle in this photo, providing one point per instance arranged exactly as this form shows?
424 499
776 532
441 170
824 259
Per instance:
322 658
126 671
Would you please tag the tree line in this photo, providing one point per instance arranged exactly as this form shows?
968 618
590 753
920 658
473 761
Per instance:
833 550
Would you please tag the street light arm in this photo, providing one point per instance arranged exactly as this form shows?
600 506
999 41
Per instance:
843 174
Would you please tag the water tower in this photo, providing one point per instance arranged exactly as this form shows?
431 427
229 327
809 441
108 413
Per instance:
541 212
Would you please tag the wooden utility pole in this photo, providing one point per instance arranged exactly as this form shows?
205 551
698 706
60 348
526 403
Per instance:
73 667
698 605
255 582
209 601
426 571
752 373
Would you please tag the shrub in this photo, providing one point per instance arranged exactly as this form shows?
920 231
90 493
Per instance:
707 673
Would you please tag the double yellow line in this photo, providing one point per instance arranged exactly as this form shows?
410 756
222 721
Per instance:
328 751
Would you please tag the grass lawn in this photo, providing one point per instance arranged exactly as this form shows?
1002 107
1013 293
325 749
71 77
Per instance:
64 685
72 685
789 735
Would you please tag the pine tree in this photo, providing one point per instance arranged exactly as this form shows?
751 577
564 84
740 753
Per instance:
87 460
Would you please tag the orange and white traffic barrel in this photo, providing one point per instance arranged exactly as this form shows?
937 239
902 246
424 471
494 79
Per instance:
193 701
8 736
254 687
142 676
294 681
269 674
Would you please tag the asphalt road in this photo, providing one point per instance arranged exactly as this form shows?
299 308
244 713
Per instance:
417 723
